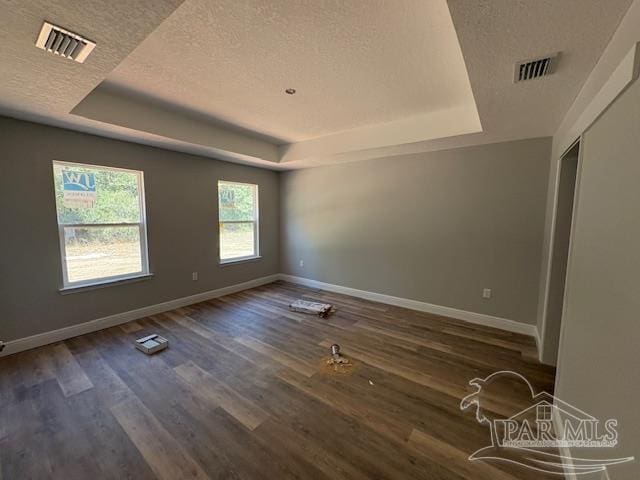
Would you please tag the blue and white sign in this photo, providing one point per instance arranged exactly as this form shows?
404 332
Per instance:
79 189
227 198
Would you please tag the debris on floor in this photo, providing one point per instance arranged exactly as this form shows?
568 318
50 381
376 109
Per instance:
337 362
313 308
151 344
371 382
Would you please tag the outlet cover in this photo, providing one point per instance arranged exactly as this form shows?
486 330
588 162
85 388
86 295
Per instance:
194 276
486 293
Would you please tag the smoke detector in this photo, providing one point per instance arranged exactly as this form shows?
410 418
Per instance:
62 42
536 68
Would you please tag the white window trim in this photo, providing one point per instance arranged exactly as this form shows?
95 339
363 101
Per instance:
256 222
144 250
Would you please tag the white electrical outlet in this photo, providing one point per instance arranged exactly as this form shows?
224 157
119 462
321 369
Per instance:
486 293
194 276
302 263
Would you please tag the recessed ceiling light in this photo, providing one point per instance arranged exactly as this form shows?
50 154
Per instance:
290 91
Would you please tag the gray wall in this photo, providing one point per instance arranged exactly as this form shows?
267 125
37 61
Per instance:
435 227
599 345
182 227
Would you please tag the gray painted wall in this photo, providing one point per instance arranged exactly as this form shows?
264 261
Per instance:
182 227
435 227
599 345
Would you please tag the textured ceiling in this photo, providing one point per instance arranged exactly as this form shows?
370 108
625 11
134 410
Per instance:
353 64
374 78
495 34
34 81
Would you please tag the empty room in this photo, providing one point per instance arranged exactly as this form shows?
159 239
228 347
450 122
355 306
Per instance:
313 239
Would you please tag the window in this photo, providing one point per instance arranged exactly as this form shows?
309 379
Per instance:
238 221
544 413
101 223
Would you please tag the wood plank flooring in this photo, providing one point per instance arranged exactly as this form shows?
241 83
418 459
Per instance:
240 394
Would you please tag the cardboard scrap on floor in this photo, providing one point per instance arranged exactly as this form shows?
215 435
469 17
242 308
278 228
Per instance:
151 344
313 308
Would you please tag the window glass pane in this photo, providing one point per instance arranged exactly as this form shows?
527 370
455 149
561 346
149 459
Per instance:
99 252
236 201
93 195
236 240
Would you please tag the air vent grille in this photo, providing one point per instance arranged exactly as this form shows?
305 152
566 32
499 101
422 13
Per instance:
530 69
64 43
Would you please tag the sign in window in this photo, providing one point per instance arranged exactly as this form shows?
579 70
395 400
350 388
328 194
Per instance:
101 223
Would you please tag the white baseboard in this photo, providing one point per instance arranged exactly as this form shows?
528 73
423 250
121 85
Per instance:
27 343
34 341
536 337
471 317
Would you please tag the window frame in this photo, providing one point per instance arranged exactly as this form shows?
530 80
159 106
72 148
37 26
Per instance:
255 222
544 413
142 228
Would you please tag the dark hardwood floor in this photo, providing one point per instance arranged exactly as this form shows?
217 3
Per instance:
241 394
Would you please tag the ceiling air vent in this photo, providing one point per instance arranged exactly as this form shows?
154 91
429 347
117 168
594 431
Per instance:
62 42
530 69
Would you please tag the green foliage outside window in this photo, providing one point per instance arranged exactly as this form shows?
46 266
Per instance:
236 202
117 201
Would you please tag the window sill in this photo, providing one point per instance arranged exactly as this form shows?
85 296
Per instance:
105 283
234 261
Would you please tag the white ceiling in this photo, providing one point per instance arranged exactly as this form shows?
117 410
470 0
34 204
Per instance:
352 63
34 81
373 78
494 35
